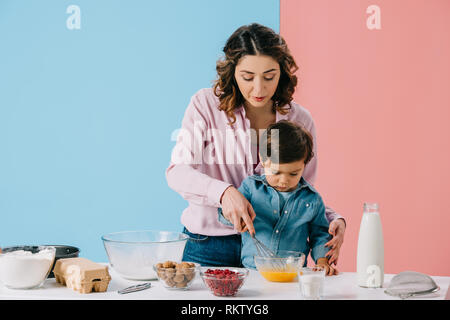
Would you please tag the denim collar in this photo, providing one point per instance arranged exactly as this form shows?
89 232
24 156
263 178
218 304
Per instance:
301 184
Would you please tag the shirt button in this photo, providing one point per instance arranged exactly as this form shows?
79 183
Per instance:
276 231
307 205
285 212
274 211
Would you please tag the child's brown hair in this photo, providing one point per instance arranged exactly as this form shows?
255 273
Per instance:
291 142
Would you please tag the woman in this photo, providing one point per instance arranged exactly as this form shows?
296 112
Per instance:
218 144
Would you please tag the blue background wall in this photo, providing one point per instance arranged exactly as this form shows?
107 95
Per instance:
86 116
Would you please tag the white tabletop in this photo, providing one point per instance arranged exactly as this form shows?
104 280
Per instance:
342 286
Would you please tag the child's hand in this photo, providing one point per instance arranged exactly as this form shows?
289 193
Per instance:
329 270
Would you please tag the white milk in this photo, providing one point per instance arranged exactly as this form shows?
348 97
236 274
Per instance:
370 255
311 286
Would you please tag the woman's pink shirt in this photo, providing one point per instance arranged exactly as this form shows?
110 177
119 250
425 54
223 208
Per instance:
210 155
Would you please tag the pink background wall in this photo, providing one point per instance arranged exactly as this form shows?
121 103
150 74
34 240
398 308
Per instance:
381 103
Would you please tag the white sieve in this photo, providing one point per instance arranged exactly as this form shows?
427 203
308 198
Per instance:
410 283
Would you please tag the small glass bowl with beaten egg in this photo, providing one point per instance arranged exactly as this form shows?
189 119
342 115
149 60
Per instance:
283 268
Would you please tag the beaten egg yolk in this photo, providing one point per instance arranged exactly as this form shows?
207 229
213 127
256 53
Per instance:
287 275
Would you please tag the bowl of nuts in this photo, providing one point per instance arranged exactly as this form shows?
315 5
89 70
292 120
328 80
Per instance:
176 275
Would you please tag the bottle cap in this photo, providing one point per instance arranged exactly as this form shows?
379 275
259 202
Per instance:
370 207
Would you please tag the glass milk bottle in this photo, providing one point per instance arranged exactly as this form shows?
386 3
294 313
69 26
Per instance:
370 255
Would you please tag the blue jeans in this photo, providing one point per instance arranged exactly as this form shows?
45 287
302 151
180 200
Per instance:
219 251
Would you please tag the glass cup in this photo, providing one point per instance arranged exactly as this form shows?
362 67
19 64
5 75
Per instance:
311 282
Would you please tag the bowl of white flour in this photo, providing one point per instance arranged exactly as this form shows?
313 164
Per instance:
25 267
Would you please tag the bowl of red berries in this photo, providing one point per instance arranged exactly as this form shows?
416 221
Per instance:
223 281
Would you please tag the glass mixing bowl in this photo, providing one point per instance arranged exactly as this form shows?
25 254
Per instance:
284 268
132 254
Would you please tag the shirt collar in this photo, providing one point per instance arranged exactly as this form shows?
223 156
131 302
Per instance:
278 116
301 184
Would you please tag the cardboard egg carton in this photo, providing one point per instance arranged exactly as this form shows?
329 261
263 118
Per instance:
82 275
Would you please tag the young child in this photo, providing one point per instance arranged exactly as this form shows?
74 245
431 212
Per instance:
290 213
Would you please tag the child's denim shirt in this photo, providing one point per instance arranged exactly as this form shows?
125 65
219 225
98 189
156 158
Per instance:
301 225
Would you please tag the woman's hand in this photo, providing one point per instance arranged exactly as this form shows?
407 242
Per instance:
237 210
337 230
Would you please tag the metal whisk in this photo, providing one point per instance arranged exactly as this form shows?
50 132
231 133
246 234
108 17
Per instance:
275 262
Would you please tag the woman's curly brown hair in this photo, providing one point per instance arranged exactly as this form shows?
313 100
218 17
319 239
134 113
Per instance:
254 39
